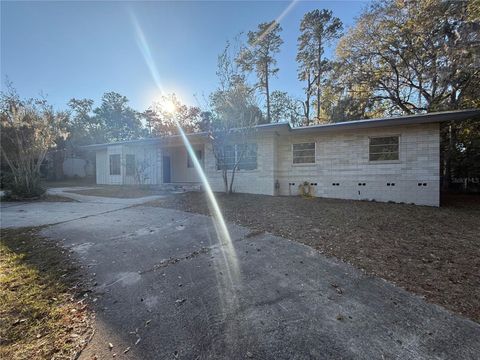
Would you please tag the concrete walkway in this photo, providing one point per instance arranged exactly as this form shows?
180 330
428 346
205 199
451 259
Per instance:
38 213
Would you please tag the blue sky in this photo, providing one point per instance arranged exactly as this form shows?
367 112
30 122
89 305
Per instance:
83 49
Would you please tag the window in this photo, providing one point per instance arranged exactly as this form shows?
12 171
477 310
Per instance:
198 154
244 154
247 154
115 164
384 148
304 153
130 165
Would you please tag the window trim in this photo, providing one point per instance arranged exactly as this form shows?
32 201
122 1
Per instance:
314 157
396 161
235 151
119 164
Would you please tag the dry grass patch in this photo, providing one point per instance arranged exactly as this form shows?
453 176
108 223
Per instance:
119 191
43 313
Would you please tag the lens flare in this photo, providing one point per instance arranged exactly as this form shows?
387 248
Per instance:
230 266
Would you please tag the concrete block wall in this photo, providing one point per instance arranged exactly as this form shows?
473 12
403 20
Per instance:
143 153
259 181
343 158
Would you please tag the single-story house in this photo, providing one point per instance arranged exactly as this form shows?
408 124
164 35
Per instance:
388 159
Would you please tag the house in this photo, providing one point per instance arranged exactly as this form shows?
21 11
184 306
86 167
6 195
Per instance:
388 159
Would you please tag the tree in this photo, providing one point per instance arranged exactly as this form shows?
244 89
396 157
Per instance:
29 128
231 120
119 120
346 101
164 114
318 28
84 128
263 44
419 56
285 108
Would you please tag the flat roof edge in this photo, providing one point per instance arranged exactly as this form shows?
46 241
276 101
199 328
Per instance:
437 117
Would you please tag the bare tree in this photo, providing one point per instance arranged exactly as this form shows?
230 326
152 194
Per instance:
233 116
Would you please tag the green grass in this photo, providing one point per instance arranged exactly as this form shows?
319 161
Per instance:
41 312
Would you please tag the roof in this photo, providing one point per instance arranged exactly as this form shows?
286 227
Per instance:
437 117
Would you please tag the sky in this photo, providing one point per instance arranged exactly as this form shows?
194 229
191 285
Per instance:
67 49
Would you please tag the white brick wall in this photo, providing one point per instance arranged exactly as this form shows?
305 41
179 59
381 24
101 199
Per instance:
143 153
343 157
259 181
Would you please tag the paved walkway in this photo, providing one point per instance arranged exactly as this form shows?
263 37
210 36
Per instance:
38 213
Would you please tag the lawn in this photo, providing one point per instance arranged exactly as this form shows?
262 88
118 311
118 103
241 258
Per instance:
119 191
434 252
43 310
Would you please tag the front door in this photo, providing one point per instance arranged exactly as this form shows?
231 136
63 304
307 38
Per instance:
166 170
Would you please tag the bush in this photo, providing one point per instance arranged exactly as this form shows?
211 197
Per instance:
6 180
25 190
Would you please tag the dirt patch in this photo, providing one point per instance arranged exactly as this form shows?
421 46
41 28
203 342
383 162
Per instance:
434 252
43 307
43 198
119 191
70 182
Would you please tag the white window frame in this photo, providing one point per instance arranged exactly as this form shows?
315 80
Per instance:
385 161
305 163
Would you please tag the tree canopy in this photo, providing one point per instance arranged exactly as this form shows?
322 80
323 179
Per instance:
414 56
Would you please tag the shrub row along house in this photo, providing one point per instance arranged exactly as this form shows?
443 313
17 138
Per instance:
389 159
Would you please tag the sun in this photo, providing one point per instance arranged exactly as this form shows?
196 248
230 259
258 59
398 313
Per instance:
168 105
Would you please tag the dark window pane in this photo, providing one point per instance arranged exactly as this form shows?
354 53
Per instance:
304 153
384 148
198 154
130 165
115 164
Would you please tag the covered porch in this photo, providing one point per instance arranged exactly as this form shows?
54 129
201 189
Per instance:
176 166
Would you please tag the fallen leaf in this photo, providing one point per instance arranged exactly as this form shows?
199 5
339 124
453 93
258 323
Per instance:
180 301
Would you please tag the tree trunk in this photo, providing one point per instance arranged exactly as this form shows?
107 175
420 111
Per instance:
319 77
230 189
267 90
448 159
225 180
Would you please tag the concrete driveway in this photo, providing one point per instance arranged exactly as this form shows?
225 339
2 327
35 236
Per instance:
22 214
165 288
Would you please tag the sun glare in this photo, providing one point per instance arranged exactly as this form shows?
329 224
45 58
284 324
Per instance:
168 105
